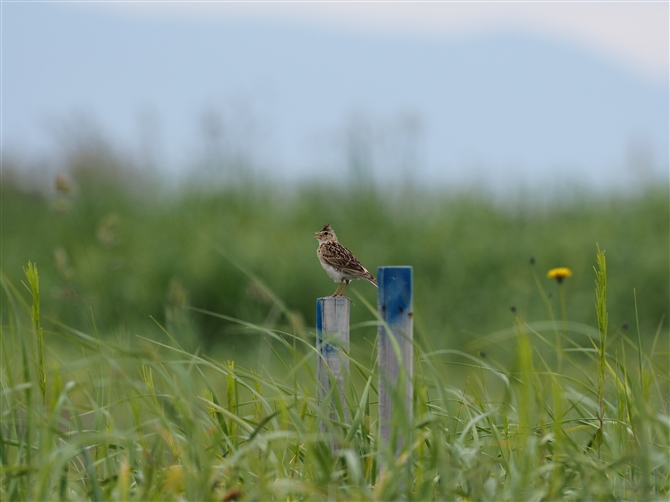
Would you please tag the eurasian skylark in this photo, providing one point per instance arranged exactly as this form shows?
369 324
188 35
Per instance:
338 262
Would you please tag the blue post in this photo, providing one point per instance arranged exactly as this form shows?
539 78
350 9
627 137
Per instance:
396 354
332 344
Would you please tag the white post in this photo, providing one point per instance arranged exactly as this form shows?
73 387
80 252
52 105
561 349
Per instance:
396 354
332 344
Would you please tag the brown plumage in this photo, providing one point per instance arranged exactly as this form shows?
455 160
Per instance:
338 262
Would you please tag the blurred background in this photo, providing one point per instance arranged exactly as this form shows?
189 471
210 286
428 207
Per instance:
163 156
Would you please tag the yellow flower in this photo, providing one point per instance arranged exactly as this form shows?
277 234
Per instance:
559 273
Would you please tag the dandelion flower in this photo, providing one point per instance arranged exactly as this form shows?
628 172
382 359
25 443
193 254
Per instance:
559 274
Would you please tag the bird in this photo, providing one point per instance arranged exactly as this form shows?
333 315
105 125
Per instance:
339 263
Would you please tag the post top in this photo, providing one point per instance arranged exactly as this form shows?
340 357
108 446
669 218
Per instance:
394 298
400 277
335 299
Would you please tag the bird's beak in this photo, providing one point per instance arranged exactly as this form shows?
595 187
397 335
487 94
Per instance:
316 235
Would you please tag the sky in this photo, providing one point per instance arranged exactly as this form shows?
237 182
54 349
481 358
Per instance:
497 94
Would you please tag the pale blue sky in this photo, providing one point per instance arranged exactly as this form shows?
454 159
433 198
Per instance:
492 94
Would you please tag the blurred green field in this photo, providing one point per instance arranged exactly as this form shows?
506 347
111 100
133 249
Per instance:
116 248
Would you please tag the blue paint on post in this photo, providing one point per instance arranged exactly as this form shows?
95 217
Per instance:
323 348
319 324
319 315
394 298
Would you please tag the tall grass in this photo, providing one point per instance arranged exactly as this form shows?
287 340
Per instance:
165 350
139 419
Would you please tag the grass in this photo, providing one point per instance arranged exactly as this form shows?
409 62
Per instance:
159 354
152 421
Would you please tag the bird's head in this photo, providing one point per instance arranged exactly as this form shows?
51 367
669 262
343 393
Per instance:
325 234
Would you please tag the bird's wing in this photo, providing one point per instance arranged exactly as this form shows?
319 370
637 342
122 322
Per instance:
339 256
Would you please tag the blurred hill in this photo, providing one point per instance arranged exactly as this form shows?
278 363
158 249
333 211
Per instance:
500 108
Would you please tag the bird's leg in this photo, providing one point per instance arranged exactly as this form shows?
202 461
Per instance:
335 293
346 283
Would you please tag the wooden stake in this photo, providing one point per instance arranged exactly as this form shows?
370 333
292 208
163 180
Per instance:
396 354
332 343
